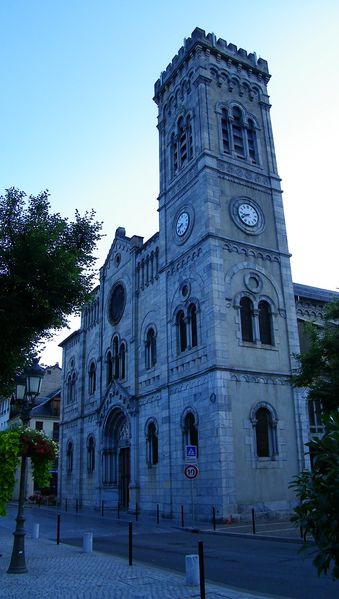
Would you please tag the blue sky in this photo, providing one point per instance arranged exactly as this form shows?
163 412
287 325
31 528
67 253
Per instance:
78 117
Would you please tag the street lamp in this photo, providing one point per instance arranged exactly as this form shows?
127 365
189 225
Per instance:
27 388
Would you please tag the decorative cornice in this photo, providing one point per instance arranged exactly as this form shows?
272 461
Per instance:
235 173
250 252
184 261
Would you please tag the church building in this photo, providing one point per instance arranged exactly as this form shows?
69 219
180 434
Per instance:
182 364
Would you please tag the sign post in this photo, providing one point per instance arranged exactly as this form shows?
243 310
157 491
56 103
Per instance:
191 472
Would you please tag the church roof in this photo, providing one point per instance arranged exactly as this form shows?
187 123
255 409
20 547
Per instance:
314 293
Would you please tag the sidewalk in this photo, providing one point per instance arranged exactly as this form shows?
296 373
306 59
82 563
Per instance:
65 572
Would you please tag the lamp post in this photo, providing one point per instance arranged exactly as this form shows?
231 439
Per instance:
27 388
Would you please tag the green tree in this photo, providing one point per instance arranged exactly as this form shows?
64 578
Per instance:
318 490
319 365
46 273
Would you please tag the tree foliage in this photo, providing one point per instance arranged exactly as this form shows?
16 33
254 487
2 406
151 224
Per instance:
318 494
319 366
318 491
46 273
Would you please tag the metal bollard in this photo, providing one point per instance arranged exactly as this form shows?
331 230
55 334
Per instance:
213 517
201 570
102 507
157 513
58 529
182 516
253 521
130 544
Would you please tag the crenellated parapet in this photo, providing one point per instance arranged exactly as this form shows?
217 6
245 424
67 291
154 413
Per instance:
208 45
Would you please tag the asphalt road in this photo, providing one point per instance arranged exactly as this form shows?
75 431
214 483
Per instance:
249 563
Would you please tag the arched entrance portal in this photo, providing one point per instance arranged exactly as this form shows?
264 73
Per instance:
116 455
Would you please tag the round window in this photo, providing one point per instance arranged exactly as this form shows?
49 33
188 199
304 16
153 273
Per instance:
117 303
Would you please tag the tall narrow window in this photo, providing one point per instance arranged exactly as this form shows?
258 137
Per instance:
246 310
265 322
116 357
56 431
262 432
152 445
189 138
182 139
72 389
69 457
123 361
252 142
192 312
69 387
190 431
92 379
315 413
90 454
182 333
151 349
225 131
264 421
174 152
237 133
109 368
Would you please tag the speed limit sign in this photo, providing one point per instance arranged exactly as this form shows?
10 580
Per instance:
191 471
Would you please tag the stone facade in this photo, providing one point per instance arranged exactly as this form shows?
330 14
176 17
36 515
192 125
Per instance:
189 338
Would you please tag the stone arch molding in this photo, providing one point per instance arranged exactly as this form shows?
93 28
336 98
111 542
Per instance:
268 406
149 321
186 411
251 266
177 301
151 420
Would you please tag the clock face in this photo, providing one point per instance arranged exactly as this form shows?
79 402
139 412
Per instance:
182 224
248 214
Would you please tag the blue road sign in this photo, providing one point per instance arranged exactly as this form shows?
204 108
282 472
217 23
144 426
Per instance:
191 453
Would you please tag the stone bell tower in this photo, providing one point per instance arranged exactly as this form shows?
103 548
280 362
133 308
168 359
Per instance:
223 238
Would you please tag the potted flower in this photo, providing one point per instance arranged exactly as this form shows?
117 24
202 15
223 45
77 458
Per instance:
25 442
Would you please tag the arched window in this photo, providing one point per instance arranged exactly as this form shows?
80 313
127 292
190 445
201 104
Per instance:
90 454
69 457
225 131
151 348
72 388
109 368
246 311
181 144
192 313
92 378
174 152
122 361
69 387
190 431
237 132
265 425
265 322
116 357
189 138
182 333
252 142
151 445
